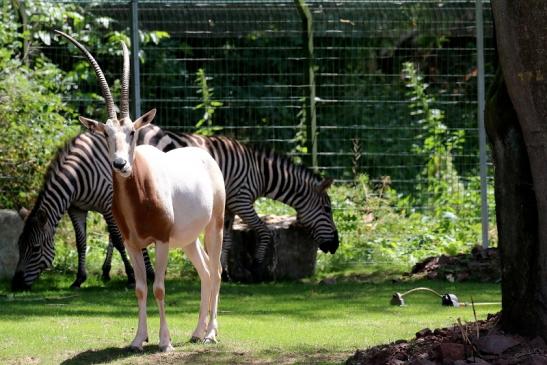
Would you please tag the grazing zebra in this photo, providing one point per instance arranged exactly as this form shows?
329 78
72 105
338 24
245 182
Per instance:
77 181
78 177
250 173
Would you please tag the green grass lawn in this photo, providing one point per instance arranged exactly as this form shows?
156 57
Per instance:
278 323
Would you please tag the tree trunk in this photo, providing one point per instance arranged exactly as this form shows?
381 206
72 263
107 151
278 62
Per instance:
516 211
519 140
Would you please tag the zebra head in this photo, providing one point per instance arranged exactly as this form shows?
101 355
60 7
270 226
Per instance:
36 250
315 213
119 133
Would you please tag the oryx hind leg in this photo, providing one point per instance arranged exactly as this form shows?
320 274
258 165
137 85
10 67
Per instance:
200 260
213 245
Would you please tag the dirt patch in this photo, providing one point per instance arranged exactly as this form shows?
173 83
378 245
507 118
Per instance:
480 342
479 265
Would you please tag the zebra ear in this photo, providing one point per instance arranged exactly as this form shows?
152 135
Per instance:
23 213
92 125
324 185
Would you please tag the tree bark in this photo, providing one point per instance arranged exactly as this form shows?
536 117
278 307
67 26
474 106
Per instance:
516 211
519 142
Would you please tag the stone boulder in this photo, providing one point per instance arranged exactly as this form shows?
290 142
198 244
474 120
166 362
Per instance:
11 226
293 255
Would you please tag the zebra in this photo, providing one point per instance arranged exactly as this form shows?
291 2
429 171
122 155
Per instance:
79 180
250 173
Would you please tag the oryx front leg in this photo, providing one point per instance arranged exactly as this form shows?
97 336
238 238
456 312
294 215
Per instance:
200 260
141 290
162 256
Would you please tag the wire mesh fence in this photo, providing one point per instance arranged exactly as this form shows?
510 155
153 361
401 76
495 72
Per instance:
250 57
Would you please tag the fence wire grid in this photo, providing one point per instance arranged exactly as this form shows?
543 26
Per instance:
253 56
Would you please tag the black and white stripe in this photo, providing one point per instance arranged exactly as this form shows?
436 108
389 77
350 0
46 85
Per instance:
79 180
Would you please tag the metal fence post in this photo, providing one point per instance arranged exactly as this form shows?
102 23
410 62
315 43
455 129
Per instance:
311 115
479 21
136 74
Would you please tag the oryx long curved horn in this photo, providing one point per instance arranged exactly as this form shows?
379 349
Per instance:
100 75
124 102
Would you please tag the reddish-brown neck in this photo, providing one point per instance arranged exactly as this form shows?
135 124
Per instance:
137 209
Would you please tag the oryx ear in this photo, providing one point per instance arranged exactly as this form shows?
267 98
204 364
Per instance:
92 125
145 119
324 185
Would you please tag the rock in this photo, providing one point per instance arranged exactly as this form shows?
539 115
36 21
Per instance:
535 359
293 255
538 343
424 333
477 361
11 226
422 362
495 344
450 352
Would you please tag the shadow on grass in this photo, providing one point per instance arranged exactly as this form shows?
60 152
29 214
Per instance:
198 354
107 355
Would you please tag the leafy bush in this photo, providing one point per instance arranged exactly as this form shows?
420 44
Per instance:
32 114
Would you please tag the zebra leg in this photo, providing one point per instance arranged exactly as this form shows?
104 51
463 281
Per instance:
226 245
117 242
78 218
263 256
150 275
107 264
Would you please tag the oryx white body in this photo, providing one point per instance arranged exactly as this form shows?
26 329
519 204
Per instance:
186 182
169 199
162 198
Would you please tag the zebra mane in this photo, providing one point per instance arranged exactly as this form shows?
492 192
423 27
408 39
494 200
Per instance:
299 167
256 150
270 153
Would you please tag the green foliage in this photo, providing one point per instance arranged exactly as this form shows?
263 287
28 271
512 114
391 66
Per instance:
32 112
300 140
205 125
439 180
377 227
35 83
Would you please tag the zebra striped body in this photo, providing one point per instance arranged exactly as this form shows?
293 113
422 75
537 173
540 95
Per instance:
251 173
248 173
78 180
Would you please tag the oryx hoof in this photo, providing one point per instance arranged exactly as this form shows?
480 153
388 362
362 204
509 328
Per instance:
210 341
195 339
167 348
136 348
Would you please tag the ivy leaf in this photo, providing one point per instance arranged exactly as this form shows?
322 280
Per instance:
45 37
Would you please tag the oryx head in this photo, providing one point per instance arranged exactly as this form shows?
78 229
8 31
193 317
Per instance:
120 133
